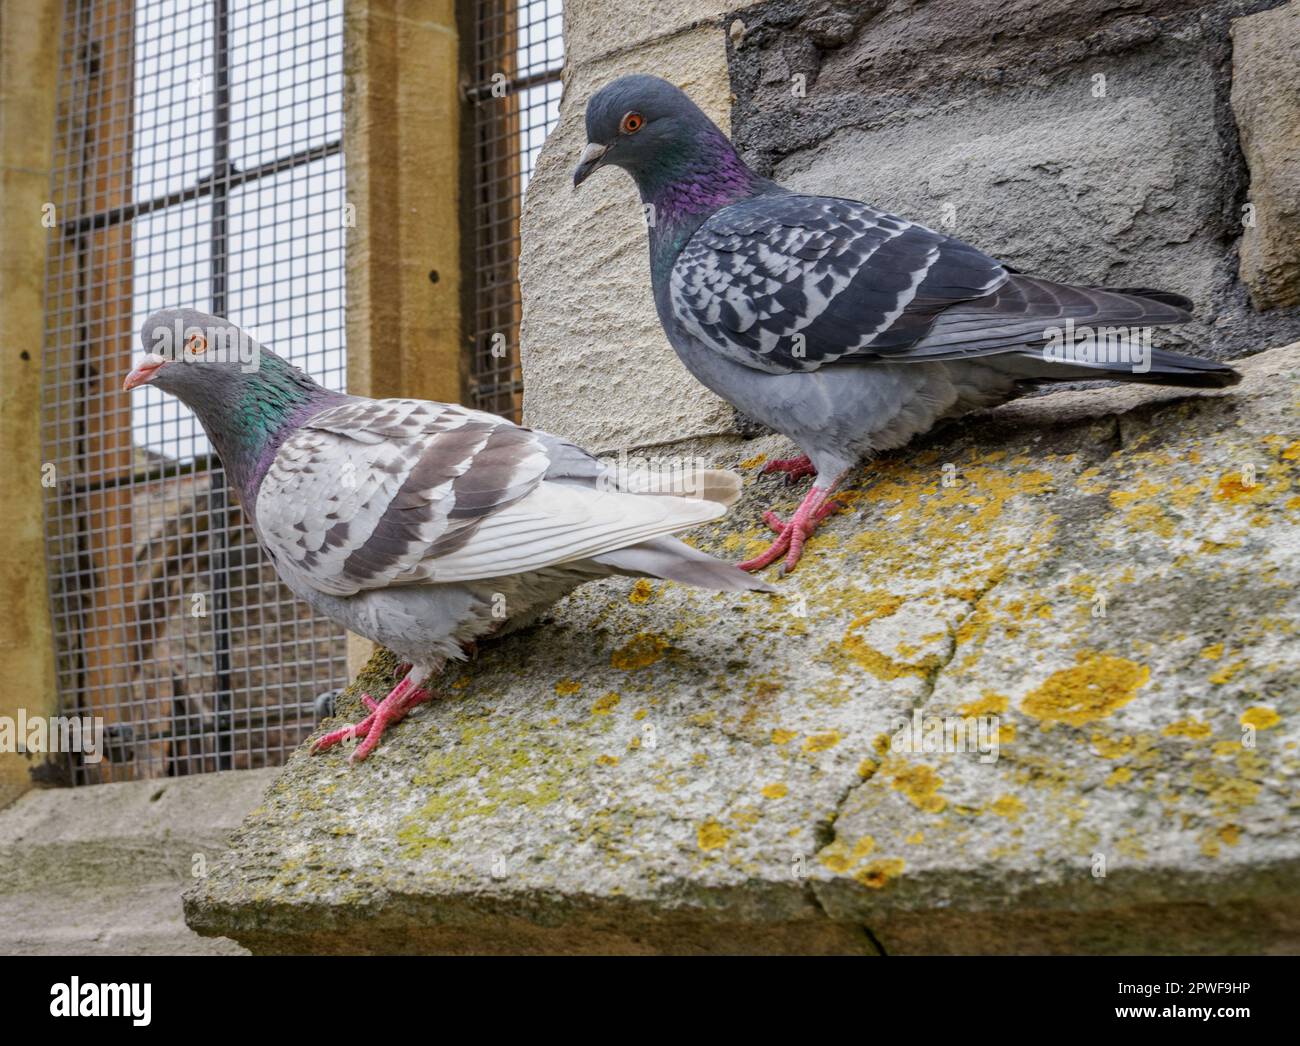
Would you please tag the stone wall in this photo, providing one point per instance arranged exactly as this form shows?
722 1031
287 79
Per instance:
1082 140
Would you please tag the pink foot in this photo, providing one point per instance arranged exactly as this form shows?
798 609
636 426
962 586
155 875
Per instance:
794 468
778 525
791 536
392 709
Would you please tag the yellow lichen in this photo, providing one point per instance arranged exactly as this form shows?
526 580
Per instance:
989 704
1260 717
605 705
642 592
781 737
1093 689
863 847
880 605
567 687
712 836
821 742
1142 492
1120 775
1231 488
878 873
1225 674
836 857
777 790
1008 806
921 785
641 651
1192 728
1112 747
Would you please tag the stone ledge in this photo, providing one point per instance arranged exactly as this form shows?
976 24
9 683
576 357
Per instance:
99 870
658 769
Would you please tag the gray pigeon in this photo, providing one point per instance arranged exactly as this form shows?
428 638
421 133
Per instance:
423 526
847 329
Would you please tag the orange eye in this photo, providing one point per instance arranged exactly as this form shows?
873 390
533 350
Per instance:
632 122
196 343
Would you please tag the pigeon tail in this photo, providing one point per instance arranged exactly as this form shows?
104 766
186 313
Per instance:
673 560
1131 361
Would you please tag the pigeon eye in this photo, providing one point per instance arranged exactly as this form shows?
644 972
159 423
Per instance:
195 344
632 122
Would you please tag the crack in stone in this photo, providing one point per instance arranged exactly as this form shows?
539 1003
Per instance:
826 829
932 678
875 941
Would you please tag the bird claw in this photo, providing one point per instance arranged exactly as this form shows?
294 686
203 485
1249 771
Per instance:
795 469
790 537
383 714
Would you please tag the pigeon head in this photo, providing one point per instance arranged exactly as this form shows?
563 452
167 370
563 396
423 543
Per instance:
246 397
680 160
194 356
639 123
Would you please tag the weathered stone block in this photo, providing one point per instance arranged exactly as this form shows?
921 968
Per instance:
1115 190
99 870
597 366
1152 189
593 30
1266 100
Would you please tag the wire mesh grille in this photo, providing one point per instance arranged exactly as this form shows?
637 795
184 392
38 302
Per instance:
198 163
514 99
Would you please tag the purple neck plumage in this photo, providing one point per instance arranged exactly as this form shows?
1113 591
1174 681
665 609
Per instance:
688 183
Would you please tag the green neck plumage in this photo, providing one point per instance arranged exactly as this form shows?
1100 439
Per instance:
268 405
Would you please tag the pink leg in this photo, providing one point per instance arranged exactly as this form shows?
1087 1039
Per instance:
403 697
814 508
794 468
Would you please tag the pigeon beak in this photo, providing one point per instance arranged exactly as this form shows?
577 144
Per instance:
591 158
143 372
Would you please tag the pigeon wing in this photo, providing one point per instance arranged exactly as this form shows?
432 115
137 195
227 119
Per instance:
789 282
386 492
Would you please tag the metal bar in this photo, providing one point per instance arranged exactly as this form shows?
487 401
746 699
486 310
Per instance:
218 509
234 179
518 43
